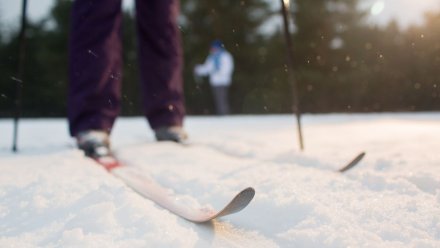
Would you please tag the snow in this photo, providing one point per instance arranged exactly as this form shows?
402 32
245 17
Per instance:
51 196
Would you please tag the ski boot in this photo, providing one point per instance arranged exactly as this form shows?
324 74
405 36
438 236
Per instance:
94 143
171 133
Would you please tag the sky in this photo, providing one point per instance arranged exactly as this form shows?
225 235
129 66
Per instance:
406 12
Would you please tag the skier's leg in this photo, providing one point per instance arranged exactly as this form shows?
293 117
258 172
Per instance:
160 58
95 65
221 99
225 100
216 96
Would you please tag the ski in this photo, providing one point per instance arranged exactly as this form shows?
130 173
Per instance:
352 163
147 187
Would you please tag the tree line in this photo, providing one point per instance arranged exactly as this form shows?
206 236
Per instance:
342 64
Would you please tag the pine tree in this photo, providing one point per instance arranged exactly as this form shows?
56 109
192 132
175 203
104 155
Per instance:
322 47
237 24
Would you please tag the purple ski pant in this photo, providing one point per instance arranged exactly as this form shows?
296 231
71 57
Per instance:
95 62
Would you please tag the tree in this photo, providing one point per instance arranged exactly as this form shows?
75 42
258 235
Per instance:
237 24
322 48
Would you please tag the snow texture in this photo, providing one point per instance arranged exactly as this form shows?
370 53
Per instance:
52 196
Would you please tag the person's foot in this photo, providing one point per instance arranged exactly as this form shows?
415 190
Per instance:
94 143
172 133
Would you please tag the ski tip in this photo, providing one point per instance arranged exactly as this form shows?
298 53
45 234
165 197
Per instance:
248 192
243 198
352 163
238 203
359 156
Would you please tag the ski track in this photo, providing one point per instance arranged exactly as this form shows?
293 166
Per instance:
51 196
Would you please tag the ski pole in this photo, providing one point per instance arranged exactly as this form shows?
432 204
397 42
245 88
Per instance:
295 88
20 73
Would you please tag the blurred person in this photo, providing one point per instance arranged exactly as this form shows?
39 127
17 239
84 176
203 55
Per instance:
95 71
219 65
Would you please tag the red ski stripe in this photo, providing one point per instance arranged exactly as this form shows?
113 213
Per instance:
109 163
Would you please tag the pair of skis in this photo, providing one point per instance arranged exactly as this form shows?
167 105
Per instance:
149 188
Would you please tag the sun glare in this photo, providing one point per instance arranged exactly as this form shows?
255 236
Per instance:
377 8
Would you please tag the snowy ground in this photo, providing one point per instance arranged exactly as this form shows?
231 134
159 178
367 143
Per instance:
51 196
